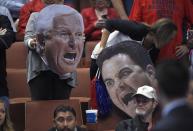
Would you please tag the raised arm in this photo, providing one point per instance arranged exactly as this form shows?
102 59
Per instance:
29 38
135 30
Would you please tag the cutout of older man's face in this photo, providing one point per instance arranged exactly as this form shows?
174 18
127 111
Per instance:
64 44
122 77
64 49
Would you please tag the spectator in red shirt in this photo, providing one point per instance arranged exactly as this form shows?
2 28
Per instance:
151 10
25 12
91 16
30 7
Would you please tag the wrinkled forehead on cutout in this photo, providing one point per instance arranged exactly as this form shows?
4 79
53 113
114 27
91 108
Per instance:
72 21
49 14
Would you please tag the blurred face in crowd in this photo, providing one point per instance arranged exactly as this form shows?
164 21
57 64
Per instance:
52 1
2 113
122 77
100 4
65 121
144 105
64 45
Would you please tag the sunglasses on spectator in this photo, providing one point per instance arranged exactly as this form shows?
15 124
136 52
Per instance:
142 99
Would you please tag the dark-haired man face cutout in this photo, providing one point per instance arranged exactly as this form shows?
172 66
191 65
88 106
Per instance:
122 77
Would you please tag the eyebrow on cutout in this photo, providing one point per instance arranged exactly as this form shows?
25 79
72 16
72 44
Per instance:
106 79
122 69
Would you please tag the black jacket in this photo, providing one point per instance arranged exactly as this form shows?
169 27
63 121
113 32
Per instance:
77 127
132 125
179 119
5 42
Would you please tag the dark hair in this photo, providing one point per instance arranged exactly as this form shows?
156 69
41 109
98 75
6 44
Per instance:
173 78
163 29
63 108
131 48
7 124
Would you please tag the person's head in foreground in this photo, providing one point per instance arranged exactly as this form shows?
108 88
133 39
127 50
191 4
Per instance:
5 122
125 67
64 118
173 80
161 33
146 101
60 36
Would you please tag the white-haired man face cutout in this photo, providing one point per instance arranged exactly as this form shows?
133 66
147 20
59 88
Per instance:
63 42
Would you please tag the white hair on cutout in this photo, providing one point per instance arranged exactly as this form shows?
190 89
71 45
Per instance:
46 16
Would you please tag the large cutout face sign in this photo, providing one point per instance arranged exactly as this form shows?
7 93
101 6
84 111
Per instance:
62 42
122 77
123 73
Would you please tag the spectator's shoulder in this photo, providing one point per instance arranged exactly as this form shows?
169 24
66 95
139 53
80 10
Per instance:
52 129
123 125
2 8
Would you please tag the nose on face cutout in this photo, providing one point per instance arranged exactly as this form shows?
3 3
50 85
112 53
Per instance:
60 55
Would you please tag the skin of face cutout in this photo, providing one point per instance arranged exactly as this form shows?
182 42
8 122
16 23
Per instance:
63 48
122 77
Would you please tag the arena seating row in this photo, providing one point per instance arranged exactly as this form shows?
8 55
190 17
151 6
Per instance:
26 114
37 111
18 87
38 115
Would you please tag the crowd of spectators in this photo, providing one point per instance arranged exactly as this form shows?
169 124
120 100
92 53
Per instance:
146 68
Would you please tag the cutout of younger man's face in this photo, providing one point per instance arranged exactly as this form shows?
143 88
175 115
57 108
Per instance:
122 77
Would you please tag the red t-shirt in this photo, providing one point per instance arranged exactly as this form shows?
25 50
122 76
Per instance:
27 9
25 12
89 17
150 11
